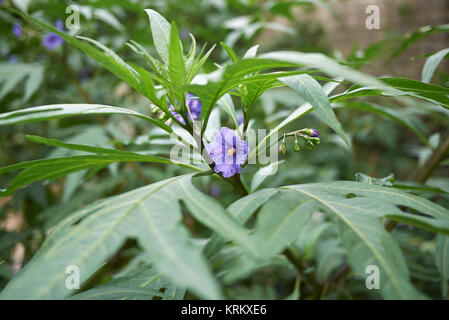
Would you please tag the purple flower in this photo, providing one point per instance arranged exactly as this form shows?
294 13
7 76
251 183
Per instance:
17 30
194 106
228 152
314 133
176 115
53 40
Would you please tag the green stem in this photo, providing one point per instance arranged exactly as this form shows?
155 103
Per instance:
434 161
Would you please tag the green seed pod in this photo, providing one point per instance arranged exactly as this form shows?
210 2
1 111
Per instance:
283 147
297 146
316 141
310 145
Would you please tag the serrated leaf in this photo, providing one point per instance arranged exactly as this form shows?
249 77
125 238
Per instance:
177 65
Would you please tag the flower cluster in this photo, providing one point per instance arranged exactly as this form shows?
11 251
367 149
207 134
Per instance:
310 136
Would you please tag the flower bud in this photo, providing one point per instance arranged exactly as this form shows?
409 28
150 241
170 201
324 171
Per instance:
283 147
313 133
154 108
310 145
297 146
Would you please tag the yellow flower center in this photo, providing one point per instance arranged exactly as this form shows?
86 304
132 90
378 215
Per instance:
231 151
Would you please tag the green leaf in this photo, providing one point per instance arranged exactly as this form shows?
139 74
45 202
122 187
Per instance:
254 90
399 87
232 76
114 63
241 210
442 261
88 237
295 115
363 234
280 221
432 63
145 283
230 52
161 30
411 37
409 121
429 92
227 105
176 60
12 74
327 65
57 111
53 168
106 57
211 214
263 173
311 91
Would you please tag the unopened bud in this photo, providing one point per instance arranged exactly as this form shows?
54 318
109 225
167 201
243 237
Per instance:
169 122
313 133
154 108
297 147
283 147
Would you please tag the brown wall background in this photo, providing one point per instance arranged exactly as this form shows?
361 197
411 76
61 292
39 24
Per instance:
343 22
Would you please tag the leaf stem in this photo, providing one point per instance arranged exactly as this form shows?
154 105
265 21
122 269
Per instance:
434 161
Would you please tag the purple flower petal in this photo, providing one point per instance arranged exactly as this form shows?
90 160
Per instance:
314 133
60 25
51 41
228 151
176 115
17 30
194 105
